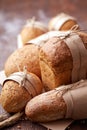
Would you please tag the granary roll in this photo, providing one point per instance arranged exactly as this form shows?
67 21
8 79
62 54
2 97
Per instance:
18 89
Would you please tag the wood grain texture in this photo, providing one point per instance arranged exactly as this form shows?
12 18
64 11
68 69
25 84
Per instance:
13 15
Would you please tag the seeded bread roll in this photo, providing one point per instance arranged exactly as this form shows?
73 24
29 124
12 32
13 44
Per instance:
56 61
14 96
26 56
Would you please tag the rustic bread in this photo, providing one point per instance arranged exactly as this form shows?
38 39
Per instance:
62 22
46 107
32 30
66 101
56 61
14 97
26 56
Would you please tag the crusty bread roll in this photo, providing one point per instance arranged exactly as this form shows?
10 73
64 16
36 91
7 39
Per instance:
62 22
67 101
27 56
31 30
56 61
46 107
14 96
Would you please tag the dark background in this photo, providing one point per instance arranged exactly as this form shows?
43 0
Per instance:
13 15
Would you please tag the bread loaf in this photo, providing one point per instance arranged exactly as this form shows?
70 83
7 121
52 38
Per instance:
27 56
63 63
31 30
46 107
18 89
68 101
62 22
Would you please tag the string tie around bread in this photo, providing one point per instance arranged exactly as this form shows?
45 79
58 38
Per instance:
67 34
23 79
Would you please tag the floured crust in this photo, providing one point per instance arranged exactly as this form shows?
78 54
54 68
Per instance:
46 107
56 62
27 56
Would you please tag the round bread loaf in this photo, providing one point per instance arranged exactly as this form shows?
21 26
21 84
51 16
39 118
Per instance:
31 30
27 56
15 95
62 22
57 62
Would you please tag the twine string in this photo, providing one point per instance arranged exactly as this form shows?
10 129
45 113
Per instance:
31 21
75 27
72 31
23 80
64 89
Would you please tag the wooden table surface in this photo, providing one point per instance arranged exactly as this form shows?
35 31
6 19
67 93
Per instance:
13 15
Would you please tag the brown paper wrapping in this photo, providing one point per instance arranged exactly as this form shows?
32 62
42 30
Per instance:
79 55
2 77
45 37
75 98
19 41
58 125
40 39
